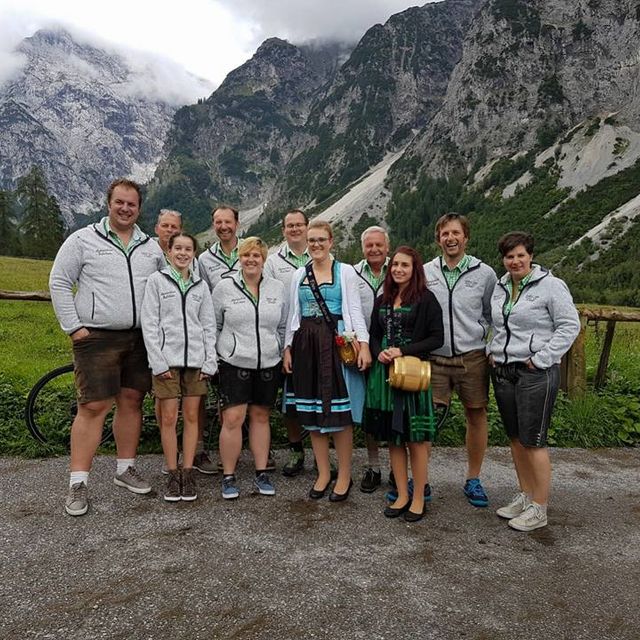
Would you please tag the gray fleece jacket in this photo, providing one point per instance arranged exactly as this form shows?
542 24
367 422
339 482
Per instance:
542 325
368 294
179 329
213 267
250 335
466 309
110 283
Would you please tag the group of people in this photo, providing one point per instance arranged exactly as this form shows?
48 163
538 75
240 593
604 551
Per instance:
144 312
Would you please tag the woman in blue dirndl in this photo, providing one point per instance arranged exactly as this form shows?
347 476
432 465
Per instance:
326 397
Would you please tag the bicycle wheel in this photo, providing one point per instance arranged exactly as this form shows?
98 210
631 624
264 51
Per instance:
52 406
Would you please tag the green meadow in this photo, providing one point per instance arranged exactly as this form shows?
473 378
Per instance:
31 343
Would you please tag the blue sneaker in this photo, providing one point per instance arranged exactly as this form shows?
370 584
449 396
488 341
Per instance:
392 494
262 484
475 493
229 489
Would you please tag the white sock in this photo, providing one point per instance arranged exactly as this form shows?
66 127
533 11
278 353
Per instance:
78 476
542 507
123 464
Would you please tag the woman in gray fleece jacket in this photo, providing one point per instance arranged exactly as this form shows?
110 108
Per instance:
534 324
179 330
251 315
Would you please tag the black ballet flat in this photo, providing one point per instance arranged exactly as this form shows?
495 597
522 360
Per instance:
412 516
339 497
391 512
318 494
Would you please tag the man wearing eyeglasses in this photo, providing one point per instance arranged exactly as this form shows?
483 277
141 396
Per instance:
281 265
463 286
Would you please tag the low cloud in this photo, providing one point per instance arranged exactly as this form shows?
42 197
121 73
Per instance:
304 20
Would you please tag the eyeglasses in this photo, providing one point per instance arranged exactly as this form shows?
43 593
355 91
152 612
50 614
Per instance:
296 225
317 240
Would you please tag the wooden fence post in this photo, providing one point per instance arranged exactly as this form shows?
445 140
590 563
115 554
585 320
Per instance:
601 374
576 366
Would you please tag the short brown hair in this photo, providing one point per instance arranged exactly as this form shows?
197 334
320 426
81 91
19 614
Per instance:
509 241
253 242
127 184
236 213
193 239
451 217
300 211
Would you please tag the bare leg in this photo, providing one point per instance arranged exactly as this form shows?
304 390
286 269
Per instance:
373 453
127 422
231 437
294 432
320 444
259 435
190 412
398 457
476 439
169 419
343 441
540 466
86 432
419 453
521 463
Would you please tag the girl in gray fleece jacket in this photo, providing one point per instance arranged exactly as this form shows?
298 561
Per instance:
178 325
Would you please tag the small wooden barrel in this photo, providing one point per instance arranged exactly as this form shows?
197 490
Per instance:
410 374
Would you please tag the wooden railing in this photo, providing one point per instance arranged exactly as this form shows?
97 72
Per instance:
574 364
25 295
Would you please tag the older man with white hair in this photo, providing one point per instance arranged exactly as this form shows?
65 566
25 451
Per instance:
372 270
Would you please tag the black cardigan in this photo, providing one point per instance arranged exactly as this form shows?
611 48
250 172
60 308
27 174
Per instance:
422 326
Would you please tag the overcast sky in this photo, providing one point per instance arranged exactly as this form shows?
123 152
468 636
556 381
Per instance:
209 38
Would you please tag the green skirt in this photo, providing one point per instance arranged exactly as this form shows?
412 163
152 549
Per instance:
396 416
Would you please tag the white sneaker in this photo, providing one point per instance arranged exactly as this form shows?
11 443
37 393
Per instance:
533 517
519 503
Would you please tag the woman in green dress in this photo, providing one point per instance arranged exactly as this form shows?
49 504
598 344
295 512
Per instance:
406 321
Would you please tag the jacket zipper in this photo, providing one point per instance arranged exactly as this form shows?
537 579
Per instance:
506 316
453 344
183 297
257 313
128 259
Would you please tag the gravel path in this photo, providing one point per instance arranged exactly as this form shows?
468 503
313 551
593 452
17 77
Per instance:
285 567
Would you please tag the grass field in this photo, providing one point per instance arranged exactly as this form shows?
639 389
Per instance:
31 343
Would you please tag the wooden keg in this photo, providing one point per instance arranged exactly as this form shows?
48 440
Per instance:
410 374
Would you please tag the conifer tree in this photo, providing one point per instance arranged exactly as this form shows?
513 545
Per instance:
8 233
42 225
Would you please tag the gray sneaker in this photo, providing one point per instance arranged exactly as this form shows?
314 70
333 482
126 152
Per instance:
533 517
517 506
229 488
77 502
132 480
262 484
202 462
189 491
172 488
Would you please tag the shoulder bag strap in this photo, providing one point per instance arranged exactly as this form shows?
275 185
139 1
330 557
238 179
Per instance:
313 284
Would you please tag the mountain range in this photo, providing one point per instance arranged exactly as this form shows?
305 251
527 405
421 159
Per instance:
491 106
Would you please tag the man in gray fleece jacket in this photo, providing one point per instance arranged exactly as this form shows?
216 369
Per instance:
107 264
463 286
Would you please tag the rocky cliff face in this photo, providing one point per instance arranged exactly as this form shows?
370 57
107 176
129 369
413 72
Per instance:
81 114
392 85
529 71
237 143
